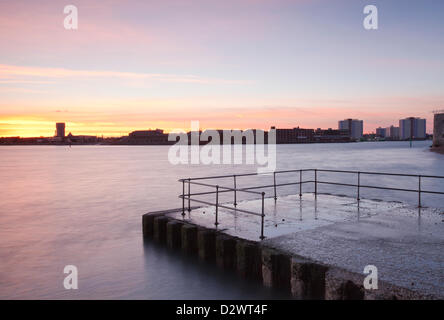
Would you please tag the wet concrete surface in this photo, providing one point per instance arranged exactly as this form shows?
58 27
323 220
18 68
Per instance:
405 243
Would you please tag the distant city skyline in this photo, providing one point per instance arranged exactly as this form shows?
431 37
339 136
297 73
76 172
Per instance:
235 64
355 127
413 127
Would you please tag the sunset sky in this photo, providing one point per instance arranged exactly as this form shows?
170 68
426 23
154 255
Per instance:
135 65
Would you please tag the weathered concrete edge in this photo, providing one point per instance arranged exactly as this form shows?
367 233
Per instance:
342 284
274 267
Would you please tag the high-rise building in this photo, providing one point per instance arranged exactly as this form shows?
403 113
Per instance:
355 127
412 128
60 129
392 133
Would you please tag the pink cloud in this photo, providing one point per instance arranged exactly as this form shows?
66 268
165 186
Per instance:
11 71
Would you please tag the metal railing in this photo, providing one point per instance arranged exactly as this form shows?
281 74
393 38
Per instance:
218 189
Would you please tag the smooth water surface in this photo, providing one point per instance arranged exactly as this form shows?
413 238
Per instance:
83 206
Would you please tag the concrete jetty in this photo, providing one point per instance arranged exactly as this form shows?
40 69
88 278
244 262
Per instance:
316 246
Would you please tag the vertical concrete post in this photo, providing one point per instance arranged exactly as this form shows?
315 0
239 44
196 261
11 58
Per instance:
206 243
160 223
226 252
148 224
267 266
307 279
174 234
189 238
343 285
249 261
276 269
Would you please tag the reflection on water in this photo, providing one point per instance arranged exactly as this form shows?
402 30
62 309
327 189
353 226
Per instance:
83 206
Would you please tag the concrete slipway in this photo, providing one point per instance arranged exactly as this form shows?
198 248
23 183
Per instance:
317 246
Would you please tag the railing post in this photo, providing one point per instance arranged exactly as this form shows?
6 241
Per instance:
235 195
183 198
216 223
359 185
419 191
300 183
189 194
262 217
316 182
274 185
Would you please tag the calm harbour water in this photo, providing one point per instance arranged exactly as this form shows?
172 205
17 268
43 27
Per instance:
83 206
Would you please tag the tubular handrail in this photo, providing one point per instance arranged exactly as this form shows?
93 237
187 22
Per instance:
225 207
381 173
319 170
245 174
227 188
215 189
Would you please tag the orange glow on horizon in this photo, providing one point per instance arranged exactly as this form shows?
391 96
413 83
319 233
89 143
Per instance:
34 127
31 128
116 124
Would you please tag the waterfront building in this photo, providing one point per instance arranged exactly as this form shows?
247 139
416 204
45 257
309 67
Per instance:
355 127
81 139
142 137
381 132
60 130
412 128
392 133
300 135
331 135
295 135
